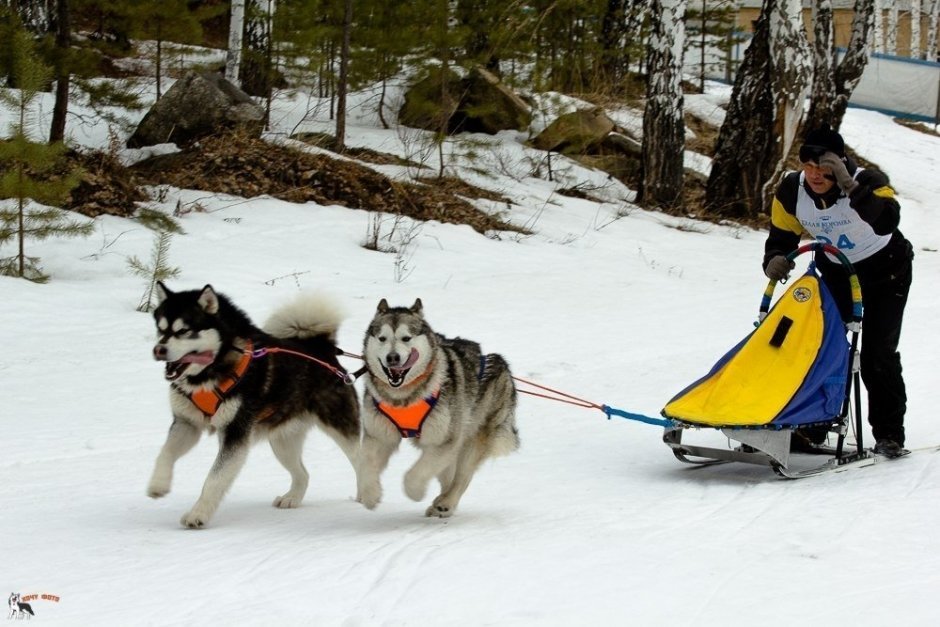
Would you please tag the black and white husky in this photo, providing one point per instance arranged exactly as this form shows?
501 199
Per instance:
457 403
231 378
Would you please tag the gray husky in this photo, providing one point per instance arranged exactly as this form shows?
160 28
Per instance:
231 378
457 403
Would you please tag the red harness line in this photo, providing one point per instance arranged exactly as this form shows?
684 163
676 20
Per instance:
347 378
557 395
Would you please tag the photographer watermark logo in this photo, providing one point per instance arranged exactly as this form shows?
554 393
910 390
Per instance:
21 605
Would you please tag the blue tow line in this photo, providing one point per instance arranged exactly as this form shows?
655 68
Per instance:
660 422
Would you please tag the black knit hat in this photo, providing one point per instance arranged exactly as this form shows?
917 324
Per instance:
825 137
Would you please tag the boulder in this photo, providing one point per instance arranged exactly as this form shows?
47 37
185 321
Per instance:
199 104
488 106
431 101
578 132
479 103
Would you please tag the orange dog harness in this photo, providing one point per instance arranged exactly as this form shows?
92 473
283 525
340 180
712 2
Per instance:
208 400
410 418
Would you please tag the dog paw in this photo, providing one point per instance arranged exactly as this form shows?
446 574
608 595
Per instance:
415 487
369 499
370 505
439 510
159 486
156 491
288 501
194 520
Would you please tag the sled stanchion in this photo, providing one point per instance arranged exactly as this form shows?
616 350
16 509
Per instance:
659 422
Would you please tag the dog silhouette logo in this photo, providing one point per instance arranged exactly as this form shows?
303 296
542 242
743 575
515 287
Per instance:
18 608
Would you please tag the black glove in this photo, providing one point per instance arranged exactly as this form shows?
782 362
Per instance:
778 268
845 181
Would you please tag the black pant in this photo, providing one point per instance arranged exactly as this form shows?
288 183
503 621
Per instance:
885 279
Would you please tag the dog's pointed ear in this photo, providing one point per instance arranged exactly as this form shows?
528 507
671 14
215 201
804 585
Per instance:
383 306
417 308
209 300
162 292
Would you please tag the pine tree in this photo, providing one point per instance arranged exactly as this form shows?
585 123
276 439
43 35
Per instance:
23 162
157 270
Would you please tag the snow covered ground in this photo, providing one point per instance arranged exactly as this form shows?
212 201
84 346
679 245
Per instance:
592 522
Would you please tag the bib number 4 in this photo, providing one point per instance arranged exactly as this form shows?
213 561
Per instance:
844 243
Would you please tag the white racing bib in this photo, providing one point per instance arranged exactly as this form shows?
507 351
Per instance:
839 226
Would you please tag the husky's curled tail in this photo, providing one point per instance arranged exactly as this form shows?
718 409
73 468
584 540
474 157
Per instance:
308 315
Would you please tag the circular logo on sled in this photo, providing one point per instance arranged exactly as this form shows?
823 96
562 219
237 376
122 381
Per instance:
802 294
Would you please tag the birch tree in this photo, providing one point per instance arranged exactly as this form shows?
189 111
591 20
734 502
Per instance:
915 29
933 23
663 126
891 44
824 78
879 33
833 84
233 56
857 52
764 113
37 16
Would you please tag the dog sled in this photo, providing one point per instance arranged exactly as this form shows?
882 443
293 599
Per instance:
797 371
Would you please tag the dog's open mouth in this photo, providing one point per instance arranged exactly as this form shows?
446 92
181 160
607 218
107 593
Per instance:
396 374
175 369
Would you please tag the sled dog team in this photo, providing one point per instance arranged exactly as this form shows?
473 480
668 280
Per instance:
240 382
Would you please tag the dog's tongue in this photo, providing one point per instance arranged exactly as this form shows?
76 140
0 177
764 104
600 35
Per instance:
412 358
203 358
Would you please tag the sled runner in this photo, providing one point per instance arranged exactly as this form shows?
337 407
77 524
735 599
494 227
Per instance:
798 369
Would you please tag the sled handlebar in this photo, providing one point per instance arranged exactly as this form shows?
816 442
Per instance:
835 252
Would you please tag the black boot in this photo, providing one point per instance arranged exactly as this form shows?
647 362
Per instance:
889 448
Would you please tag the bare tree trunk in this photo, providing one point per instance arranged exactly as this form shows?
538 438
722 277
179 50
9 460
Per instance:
891 46
340 142
916 52
382 103
849 72
63 42
612 30
879 33
824 79
663 126
833 85
764 113
159 65
933 23
233 56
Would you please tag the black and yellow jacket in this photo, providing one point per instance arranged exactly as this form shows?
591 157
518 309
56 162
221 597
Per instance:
873 201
